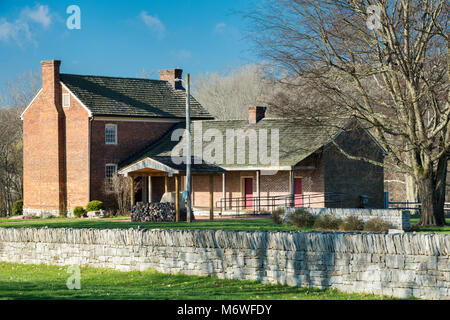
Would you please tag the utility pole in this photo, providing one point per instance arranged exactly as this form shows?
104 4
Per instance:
188 149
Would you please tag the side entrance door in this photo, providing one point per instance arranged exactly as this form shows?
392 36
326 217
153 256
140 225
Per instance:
248 192
298 192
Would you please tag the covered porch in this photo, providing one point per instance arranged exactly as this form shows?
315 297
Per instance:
155 177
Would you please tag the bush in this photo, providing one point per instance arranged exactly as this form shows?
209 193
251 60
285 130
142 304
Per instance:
351 223
277 215
17 209
376 225
301 218
95 205
327 222
79 212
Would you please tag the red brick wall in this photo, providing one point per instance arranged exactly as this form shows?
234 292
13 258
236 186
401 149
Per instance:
132 137
270 185
77 153
43 145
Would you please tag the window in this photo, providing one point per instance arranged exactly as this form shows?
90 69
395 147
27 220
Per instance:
111 133
66 100
110 171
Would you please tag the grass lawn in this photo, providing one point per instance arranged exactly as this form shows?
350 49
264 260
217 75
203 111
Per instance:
445 229
118 223
44 282
113 223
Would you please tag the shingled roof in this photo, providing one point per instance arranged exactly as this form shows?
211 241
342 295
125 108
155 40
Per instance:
114 96
296 141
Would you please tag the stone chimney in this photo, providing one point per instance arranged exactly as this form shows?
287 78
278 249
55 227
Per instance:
170 75
255 114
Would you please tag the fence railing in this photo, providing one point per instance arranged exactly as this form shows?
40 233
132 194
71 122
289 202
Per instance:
256 204
417 206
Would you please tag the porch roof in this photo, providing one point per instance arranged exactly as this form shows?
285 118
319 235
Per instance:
165 165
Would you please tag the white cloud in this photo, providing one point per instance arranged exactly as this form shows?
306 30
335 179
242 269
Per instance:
39 14
220 27
19 30
154 24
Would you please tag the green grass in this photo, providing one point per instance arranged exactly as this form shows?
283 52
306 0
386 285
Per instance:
112 223
44 282
445 229
115 223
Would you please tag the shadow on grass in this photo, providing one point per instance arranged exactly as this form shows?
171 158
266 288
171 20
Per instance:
41 282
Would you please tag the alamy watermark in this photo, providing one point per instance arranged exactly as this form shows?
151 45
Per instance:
74 280
249 146
74 20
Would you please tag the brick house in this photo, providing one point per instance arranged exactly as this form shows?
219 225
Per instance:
79 130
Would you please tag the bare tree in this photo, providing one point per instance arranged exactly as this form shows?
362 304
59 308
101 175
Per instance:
228 95
14 97
120 187
10 159
383 61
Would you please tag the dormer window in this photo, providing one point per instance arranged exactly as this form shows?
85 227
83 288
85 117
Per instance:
66 100
111 133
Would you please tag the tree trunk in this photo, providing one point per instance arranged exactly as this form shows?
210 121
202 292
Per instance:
411 189
431 187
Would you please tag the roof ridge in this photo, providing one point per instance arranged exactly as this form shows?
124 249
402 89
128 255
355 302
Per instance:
111 77
264 119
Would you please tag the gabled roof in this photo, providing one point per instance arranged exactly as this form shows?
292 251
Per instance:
297 141
131 97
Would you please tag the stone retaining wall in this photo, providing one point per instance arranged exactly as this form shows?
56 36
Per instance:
397 265
398 219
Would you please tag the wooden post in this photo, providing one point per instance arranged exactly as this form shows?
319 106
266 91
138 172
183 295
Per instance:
166 183
292 185
211 197
177 198
150 199
224 195
258 191
144 189
132 190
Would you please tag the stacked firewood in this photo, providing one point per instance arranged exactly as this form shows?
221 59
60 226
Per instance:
155 212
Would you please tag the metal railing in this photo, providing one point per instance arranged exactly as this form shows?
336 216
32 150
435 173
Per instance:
267 203
417 206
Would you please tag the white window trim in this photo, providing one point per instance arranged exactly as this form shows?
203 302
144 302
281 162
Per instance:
108 180
68 96
110 165
111 125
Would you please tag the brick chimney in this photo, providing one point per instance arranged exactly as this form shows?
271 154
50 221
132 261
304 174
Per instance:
255 114
44 146
170 75
50 81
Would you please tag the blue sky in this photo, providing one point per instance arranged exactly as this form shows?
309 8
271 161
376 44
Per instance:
121 38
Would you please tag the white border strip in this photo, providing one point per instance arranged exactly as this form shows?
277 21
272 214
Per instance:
76 98
21 116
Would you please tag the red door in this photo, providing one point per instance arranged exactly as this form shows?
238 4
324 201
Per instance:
248 192
298 192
